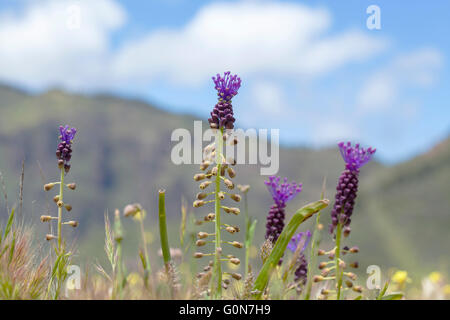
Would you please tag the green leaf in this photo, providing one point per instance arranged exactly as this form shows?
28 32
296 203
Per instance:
280 246
393 296
383 291
9 224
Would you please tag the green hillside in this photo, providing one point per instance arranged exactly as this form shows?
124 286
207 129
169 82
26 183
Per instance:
122 155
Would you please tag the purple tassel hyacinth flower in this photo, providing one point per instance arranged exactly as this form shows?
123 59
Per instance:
302 239
281 194
227 87
347 187
64 150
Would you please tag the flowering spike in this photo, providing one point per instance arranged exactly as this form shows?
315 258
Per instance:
227 87
64 150
355 157
281 194
346 190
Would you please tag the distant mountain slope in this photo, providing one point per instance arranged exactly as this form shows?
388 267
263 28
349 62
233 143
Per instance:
122 155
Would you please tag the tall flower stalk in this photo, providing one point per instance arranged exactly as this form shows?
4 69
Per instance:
64 155
222 121
346 191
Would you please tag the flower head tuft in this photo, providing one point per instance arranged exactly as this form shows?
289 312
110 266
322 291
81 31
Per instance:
227 86
355 157
284 191
67 134
301 238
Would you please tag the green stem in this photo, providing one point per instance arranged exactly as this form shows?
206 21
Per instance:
60 209
144 244
336 261
313 256
247 235
163 228
216 288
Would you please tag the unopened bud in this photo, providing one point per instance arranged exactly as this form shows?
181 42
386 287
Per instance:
202 235
347 231
198 255
49 186
49 237
325 292
235 197
351 275
198 203
46 218
235 261
199 176
231 172
68 207
72 186
204 185
322 265
237 244
236 276
357 289
214 171
204 165
201 195
73 224
235 211
60 164
229 184
325 272
56 198
321 252
200 243
354 250
342 264
317 278
230 230
348 283
210 217
354 265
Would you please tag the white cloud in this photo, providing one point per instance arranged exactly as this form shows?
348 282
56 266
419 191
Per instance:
418 69
50 44
38 49
268 98
248 37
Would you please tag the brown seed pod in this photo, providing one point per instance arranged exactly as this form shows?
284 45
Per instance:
202 235
72 186
46 218
204 184
49 186
199 176
235 197
201 195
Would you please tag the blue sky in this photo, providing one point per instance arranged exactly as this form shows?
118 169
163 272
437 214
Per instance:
310 68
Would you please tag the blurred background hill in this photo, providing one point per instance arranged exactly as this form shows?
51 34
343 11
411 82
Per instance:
122 155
